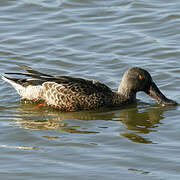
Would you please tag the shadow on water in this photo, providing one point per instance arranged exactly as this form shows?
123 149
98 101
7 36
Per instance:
137 119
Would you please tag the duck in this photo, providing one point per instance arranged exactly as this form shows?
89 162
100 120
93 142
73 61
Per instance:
68 93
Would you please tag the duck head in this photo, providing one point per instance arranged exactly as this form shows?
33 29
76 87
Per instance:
137 79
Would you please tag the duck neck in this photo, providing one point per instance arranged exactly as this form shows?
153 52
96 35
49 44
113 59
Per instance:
127 93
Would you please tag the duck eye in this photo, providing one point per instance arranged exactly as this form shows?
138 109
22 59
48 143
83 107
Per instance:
141 77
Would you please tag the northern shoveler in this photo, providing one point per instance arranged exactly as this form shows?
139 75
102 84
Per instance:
72 94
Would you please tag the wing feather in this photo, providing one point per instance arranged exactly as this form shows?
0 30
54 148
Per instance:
71 96
80 85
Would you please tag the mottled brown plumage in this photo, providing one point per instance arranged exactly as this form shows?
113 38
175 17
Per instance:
72 94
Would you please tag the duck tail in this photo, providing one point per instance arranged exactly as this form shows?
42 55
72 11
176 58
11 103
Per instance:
14 82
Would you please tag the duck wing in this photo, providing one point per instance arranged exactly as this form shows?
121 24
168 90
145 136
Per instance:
73 84
71 94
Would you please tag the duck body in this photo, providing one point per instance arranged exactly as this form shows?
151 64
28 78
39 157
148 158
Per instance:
73 94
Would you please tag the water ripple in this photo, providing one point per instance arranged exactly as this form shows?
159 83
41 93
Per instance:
97 40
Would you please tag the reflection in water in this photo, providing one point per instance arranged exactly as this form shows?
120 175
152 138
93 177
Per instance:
19 147
140 171
137 119
35 118
142 121
135 138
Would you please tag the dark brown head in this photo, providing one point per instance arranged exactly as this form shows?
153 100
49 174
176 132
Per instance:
137 79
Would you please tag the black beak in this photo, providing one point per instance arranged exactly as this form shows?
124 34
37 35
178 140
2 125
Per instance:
155 93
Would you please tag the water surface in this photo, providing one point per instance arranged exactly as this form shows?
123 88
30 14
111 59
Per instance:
97 40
